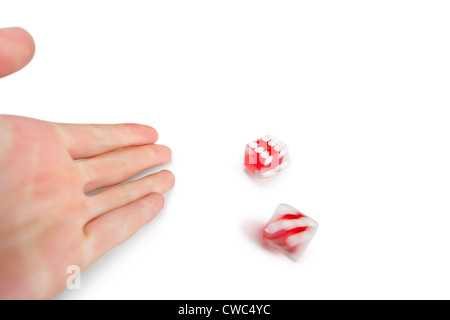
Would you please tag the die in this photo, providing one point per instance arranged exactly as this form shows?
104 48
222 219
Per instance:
265 156
289 231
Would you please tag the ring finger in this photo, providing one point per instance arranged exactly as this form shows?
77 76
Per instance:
126 193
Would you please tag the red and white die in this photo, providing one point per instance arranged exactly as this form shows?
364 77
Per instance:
265 156
289 231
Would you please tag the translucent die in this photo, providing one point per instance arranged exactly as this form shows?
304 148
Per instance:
265 156
289 231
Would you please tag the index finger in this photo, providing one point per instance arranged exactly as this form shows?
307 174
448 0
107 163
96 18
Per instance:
88 140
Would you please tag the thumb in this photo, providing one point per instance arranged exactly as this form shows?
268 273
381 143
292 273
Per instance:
16 50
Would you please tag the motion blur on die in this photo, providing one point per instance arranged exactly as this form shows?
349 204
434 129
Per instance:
265 156
289 231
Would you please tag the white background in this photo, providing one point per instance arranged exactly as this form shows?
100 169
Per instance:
359 91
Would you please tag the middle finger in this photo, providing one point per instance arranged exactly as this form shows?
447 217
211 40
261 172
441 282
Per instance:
117 166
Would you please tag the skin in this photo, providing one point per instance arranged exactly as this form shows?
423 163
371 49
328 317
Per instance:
49 219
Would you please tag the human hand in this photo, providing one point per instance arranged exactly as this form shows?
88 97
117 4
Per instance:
47 220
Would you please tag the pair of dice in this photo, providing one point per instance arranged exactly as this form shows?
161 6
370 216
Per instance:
289 230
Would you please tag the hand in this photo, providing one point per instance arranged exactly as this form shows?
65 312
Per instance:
47 220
